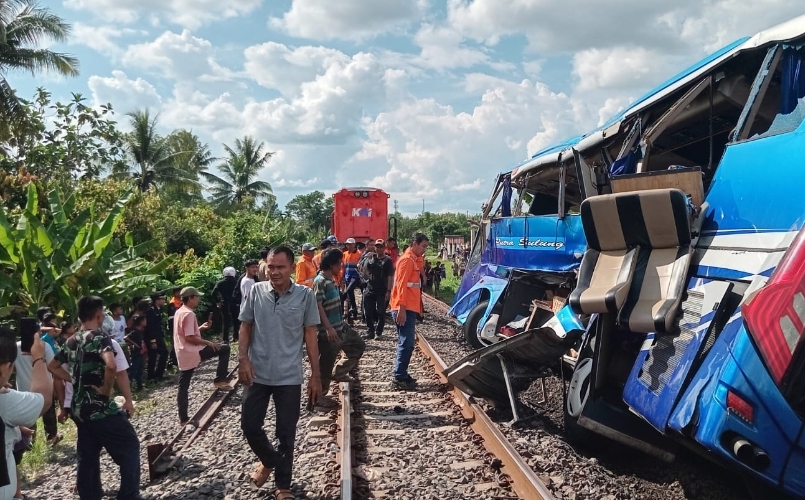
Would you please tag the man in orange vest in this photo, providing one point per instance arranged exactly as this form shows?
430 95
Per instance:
306 269
406 303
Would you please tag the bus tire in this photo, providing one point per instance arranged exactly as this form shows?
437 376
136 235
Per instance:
471 325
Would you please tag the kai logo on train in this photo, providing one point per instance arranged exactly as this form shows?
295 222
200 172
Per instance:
361 212
526 243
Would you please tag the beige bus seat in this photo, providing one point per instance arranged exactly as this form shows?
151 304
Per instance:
608 264
658 221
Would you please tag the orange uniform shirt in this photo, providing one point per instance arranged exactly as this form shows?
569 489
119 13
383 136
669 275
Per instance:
407 289
306 270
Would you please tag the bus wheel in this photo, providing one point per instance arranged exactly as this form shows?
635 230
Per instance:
471 325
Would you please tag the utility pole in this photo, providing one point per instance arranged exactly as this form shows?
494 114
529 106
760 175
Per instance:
423 206
396 209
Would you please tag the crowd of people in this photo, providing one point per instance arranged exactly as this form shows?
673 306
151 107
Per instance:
275 306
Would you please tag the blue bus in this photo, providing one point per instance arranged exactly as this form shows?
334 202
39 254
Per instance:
678 232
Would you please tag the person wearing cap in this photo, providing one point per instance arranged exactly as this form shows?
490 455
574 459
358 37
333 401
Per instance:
157 349
406 303
380 272
192 349
352 278
222 296
306 269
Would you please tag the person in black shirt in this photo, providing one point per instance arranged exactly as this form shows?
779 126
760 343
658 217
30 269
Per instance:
157 349
222 295
134 339
173 306
380 273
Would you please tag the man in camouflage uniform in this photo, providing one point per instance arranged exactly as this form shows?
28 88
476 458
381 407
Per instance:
99 420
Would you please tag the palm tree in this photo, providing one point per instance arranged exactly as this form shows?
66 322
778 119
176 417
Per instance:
238 181
153 160
191 157
24 27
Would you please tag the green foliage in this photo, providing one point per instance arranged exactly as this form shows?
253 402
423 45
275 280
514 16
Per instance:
62 142
24 28
312 212
238 187
51 258
435 226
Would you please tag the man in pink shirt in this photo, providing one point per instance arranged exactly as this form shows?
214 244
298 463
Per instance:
191 350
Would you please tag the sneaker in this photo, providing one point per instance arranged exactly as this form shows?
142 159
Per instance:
343 378
404 385
224 383
189 425
369 336
411 380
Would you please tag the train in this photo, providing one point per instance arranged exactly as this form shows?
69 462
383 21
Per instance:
361 213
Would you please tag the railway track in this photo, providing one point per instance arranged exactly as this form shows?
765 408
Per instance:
436 434
162 457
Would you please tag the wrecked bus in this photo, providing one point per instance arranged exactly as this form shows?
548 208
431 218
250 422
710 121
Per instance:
690 295
529 246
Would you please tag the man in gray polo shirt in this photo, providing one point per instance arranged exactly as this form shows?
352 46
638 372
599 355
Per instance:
277 316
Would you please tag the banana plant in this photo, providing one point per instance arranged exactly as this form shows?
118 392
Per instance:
53 256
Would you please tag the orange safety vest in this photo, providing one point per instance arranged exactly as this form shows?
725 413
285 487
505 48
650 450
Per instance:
407 289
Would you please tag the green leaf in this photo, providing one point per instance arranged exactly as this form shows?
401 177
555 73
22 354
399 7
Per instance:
7 240
32 205
106 229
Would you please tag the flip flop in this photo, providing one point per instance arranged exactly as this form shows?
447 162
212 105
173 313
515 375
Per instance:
283 494
260 476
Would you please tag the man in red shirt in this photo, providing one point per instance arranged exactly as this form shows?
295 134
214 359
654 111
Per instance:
406 303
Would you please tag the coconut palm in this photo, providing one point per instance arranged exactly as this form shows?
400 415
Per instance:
24 28
190 156
238 182
153 166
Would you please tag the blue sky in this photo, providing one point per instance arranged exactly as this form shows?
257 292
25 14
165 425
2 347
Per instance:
423 98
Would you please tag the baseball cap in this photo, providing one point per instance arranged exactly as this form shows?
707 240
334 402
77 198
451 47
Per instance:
332 238
308 246
190 291
380 242
230 271
350 241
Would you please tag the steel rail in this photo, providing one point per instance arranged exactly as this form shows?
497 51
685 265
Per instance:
345 441
159 452
524 481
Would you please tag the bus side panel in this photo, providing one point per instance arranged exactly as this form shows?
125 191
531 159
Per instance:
541 243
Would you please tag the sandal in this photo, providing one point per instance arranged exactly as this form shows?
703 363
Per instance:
260 476
283 494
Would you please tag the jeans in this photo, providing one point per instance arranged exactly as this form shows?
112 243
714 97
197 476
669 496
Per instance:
375 305
136 370
405 345
186 375
349 296
287 401
117 436
157 359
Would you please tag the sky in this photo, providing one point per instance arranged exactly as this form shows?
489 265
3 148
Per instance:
426 99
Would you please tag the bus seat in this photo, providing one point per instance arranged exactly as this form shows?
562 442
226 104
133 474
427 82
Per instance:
608 264
659 221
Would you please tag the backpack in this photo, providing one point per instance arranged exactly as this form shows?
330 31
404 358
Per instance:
364 265
237 297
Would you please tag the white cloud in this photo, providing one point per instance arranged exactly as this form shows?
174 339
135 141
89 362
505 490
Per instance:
100 38
178 56
347 19
188 13
443 48
430 148
276 66
125 94
620 68
571 25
